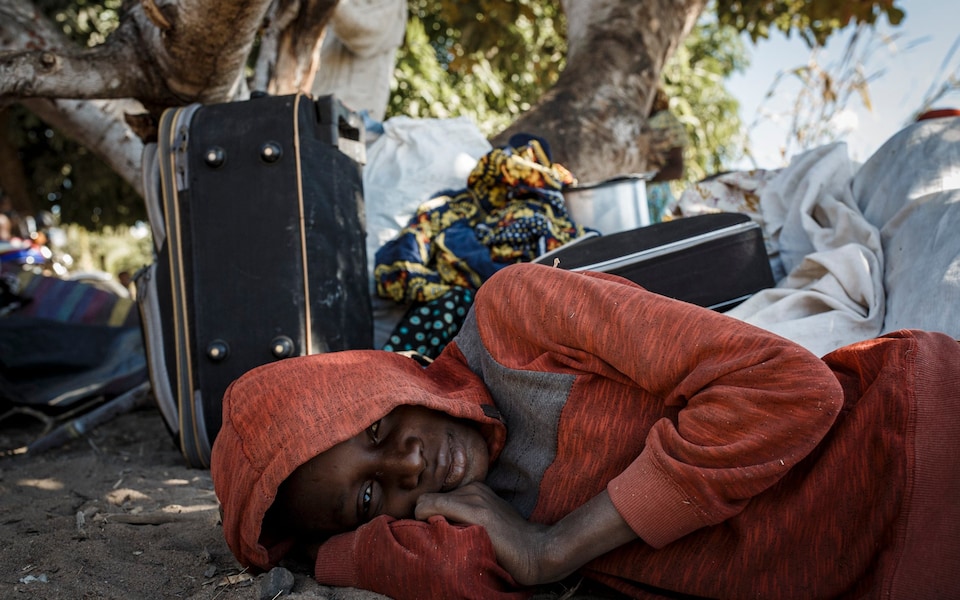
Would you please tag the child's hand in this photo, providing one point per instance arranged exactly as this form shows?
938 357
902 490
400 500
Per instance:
533 553
520 545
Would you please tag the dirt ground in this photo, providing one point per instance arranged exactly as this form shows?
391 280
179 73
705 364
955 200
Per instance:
117 514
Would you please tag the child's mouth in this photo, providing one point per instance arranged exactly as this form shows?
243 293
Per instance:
456 468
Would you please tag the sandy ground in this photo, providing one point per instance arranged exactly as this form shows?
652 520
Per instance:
117 514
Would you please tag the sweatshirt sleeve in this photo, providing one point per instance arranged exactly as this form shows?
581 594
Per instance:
740 405
408 559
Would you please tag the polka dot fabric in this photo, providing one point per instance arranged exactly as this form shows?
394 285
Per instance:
427 327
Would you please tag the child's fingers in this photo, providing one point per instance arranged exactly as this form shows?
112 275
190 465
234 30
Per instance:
463 505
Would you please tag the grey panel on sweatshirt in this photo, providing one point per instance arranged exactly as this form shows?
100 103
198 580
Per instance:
530 403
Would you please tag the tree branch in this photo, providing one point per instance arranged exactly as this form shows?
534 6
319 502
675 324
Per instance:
201 58
617 54
165 53
279 16
99 126
58 74
298 53
38 61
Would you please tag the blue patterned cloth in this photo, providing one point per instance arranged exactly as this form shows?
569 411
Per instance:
512 210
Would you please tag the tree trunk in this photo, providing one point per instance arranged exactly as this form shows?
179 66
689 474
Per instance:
595 117
298 55
172 52
290 45
164 53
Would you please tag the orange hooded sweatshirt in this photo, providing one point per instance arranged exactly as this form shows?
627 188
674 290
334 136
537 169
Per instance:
747 466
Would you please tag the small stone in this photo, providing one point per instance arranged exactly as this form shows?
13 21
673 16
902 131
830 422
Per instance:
210 572
278 582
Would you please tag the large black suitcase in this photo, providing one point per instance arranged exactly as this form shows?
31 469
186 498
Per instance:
714 260
258 220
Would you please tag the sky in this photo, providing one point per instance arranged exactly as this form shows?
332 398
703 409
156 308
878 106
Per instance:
903 69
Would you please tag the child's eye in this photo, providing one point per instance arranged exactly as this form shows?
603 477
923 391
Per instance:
374 431
365 500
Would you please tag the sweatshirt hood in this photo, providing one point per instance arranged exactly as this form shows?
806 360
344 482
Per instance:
280 415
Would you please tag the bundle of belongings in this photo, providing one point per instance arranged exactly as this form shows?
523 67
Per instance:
67 349
857 250
511 210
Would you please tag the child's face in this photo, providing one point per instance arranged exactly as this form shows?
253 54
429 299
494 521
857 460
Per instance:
383 470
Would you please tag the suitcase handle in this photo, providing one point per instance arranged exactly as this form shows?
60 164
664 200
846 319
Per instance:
340 127
333 120
337 121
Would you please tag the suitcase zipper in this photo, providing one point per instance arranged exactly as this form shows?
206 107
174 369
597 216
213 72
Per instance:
308 317
174 129
666 249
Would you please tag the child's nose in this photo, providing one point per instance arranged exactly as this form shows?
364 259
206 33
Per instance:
405 462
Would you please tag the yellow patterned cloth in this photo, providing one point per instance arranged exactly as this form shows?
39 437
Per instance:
512 210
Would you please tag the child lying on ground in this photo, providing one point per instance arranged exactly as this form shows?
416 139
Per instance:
581 424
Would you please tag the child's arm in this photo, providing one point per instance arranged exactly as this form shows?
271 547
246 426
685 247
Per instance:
408 559
741 405
534 554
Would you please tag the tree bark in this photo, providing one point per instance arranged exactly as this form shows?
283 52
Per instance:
595 117
188 60
298 53
39 61
290 45
164 53
279 16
